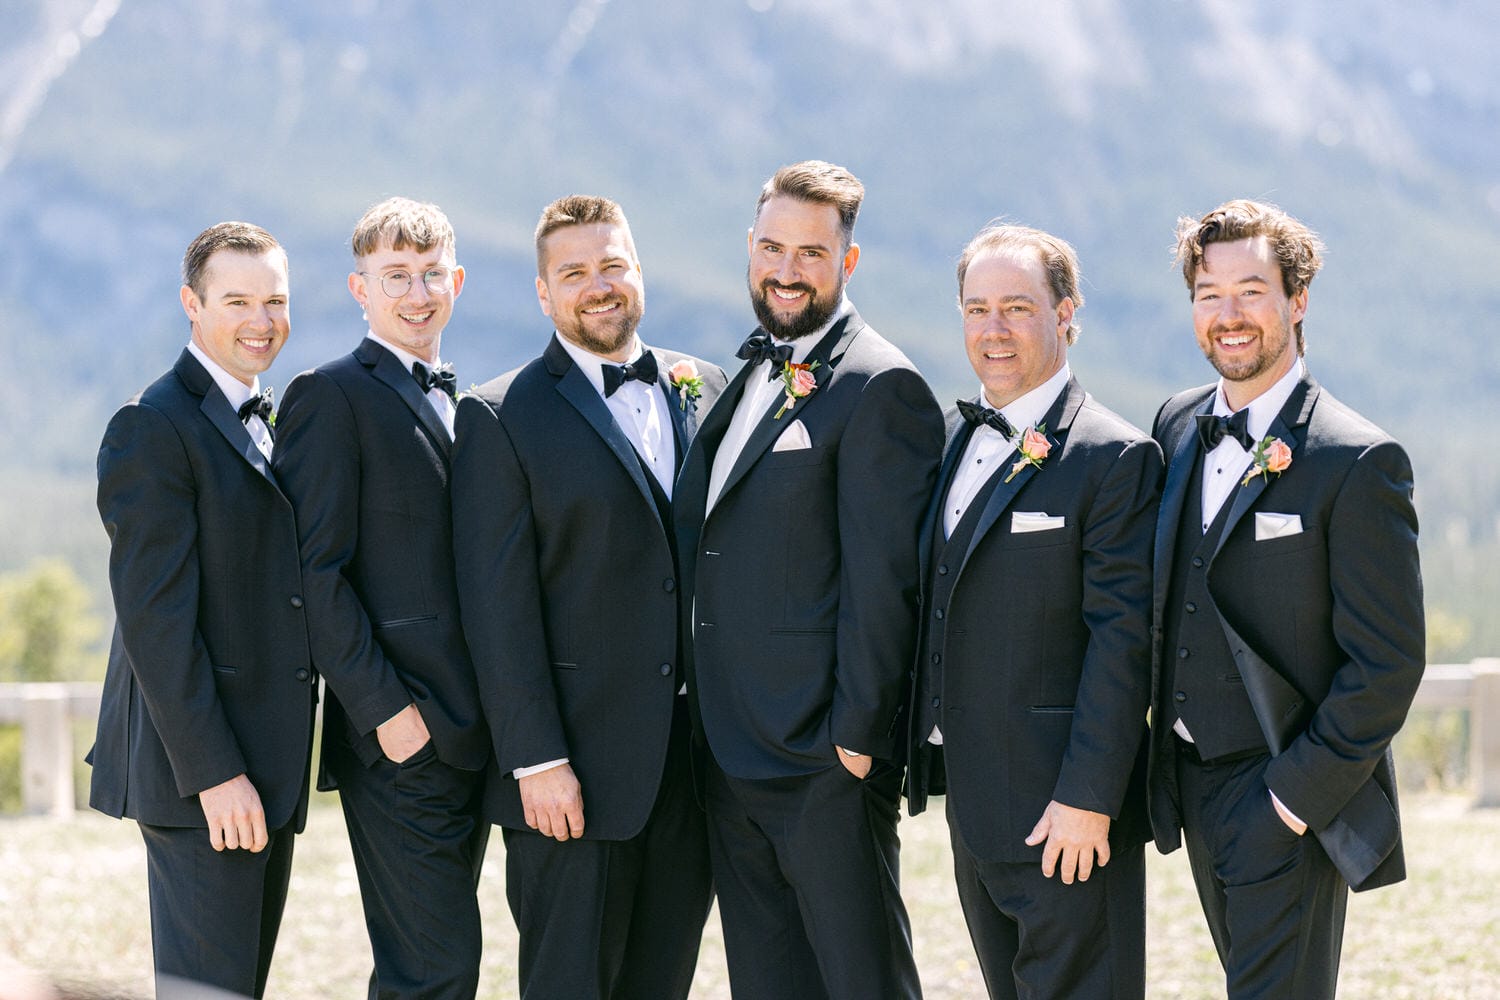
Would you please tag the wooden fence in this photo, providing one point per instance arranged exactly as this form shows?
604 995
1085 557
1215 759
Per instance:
46 713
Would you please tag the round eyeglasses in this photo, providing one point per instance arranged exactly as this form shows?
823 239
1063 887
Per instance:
439 281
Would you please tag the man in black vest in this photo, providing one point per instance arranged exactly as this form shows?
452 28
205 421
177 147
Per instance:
1033 670
1288 617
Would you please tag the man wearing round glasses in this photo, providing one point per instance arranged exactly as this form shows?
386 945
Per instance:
363 453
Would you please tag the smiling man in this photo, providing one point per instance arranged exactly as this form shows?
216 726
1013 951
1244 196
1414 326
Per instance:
364 455
797 515
1287 616
205 724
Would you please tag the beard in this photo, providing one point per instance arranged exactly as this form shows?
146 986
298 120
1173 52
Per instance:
814 313
607 336
1271 342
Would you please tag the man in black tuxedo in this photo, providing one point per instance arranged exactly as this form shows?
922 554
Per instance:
205 724
1034 665
1288 611
797 517
563 479
364 455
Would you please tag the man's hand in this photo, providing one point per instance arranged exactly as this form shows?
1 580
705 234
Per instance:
553 802
858 765
1075 836
403 734
235 817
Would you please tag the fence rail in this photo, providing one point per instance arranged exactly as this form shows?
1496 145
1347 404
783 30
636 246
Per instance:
46 712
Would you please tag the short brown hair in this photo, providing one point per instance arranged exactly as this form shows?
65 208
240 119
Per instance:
1057 256
822 183
402 224
1296 247
578 210
241 237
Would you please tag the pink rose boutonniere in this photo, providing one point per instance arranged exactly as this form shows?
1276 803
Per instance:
1033 449
686 380
798 381
1271 457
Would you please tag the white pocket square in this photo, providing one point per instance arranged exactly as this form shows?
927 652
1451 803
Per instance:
793 438
1270 525
1022 521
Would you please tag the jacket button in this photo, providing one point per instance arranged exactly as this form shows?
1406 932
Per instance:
943 570
937 657
669 585
1180 697
666 670
1192 607
296 601
302 674
936 702
1182 653
1197 562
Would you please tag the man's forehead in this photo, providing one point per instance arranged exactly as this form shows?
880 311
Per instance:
386 255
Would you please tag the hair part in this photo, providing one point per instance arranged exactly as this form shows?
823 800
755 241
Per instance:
1297 248
1058 259
240 237
402 224
821 183
578 210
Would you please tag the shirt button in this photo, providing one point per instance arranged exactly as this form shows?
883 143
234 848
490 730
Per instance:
1182 653
1180 697
666 670
296 601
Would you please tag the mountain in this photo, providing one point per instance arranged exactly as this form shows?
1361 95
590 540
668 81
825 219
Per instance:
127 127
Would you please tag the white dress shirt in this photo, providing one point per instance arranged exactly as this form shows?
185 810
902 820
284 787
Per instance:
237 393
756 398
442 403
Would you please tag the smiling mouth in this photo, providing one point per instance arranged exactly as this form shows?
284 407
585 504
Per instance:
417 319
602 308
999 355
256 343
786 293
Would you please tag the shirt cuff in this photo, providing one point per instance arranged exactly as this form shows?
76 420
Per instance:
526 772
1282 806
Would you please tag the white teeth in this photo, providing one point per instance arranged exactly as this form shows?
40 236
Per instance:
999 357
255 341
1235 341
785 295
593 310
416 317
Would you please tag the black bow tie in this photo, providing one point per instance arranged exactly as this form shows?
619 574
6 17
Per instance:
642 369
441 377
983 416
1212 429
258 405
760 347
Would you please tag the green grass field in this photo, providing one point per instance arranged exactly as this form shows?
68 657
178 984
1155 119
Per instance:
73 905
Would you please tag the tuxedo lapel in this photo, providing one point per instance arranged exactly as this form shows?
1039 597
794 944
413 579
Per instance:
386 367
1060 418
574 386
958 435
1180 466
221 414
1290 426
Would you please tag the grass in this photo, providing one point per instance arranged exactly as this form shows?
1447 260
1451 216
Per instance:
74 902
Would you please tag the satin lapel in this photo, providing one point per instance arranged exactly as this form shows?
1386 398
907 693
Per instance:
575 387
958 434
1173 496
1060 418
691 492
387 368
196 379
827 354
1290 425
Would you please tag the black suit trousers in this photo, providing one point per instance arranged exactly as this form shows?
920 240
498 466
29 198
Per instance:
418 840
1274 901
807 869
214 914
1038 937
615 919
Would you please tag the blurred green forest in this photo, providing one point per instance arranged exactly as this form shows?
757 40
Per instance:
127 127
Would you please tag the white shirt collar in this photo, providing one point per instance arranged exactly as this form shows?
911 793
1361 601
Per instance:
233 389
1029 409
591 364
1263 408
405 357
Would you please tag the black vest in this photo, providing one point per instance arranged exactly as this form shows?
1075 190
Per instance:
1200 682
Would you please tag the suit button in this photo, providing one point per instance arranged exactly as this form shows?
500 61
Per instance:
666 670
1197 562
938 614
936 702
1182 653
937 658
943 570
302 674
1180 697
1192 607
669 585
296 601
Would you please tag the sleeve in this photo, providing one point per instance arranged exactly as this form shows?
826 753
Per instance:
148 501
317 462
887 464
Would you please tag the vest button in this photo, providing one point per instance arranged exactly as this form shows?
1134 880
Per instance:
296 601
938 614
1192 607
943 570
937 658
1179 697
1197 562
669 585
936 702
666 670
1182 653
302 674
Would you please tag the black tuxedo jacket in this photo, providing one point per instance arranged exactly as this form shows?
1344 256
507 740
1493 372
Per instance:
209 673
569 586
1326 625
1045 640
804 574
364 457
